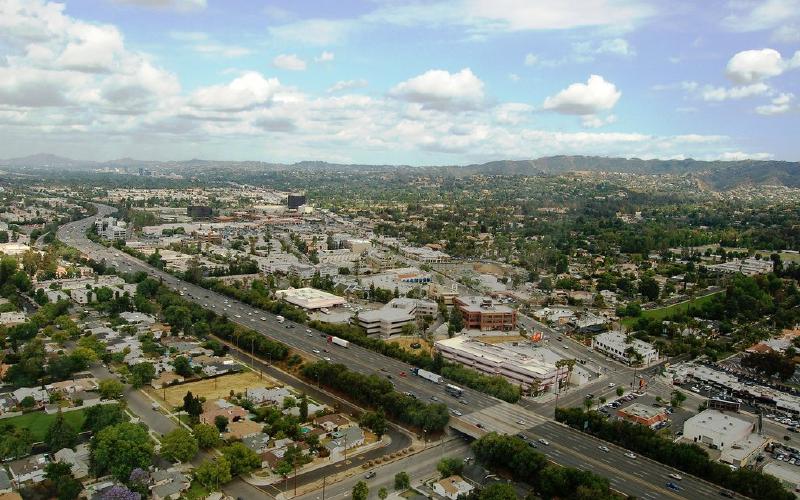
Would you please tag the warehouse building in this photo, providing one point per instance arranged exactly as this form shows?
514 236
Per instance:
717 429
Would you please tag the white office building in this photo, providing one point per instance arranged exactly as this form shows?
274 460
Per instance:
717 429
616 345
386 321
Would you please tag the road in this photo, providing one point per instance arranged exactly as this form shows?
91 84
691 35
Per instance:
494 411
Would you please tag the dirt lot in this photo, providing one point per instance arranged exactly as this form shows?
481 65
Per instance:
214 388
405 343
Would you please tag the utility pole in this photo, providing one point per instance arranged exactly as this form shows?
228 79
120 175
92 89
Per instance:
323 486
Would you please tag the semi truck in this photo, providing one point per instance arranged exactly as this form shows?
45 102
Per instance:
338 341
433 377
280 319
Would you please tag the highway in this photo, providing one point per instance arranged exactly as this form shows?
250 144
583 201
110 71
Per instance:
571 445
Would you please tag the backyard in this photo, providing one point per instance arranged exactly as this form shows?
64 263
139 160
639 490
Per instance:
38 422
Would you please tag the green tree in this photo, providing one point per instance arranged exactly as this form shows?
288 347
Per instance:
241 458
677 398
402 481
142 374
375 421
99 417
59 474
303 407
192 406
221 422
360 491
383 493
648 287
213 473
179 445
60 434
456 323
450 466
110 388
119 449
16 441
498 491
620 391
182 366
207 436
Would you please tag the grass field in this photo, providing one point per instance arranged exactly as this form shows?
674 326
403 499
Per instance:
665 312
214 388
38 422
405 343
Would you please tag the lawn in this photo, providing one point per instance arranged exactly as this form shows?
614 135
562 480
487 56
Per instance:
214 388
665 312
38 422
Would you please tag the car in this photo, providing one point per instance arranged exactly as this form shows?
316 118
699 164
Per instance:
611 384
566 347
479 425
402 374
389 376
522 436
326 358
544 441
672 486
308 330
315 351
631 455
434 398
589 396
456 412
559 338
520 422
370 474
603 448
309 335
262 318
727 493
532 444
238 315
416 345
463 401
675 475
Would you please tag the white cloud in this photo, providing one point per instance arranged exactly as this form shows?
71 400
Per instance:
92 48
754 65
740 155
245 92
512 113
324 57
789 33
188 36
531 59
314 31
717 94
518 15
439 89
585 98
179 5
587 50
222 50
782 16
594 121
513 77
347 85
289 62
779 105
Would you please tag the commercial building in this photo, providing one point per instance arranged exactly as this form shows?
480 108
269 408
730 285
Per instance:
481 313
198 211
310 298
717 429
748 267
616 344
745 451
295 201
642 414
111 228
386 321
520 364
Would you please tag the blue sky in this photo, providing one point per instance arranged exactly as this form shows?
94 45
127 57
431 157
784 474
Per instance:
392 81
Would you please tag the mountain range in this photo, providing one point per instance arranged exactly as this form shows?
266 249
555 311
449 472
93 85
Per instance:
720 175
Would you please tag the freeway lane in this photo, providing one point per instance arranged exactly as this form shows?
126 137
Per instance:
649 484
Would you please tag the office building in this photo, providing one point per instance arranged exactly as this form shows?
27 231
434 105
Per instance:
717 429
310 298
295 201
617 345
481 313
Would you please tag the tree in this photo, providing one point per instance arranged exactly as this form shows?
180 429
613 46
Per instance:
119 449
402 481
588 402
498 491
142 374
221 422
375 421
59 474
179 317
117 492
648 287
450 466
241 458
383 493
192 406
620 391
60 434
182 366
360 491
677 398
303 407
27 402
16 441
207 436
179 445
456 323
213 473
99 417
110 388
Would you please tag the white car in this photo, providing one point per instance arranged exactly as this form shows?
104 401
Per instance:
238 315
315 351
308 330
611 384
676 476
263 318
544 441
326 358
631 455
603 448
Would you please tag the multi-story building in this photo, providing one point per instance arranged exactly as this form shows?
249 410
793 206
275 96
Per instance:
481 313
617 345
386 321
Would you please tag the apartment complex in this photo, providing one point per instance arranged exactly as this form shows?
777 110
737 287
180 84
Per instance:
617 345
481 313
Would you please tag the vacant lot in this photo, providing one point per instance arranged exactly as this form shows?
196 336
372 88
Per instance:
216 388
405 343
38 422
665 312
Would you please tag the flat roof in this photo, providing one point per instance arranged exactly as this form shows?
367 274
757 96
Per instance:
310 298
641 411
533 361
474 304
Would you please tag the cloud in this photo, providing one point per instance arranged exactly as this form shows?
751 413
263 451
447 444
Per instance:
512 113
439 89
289 62
779 105
513 77
587 50
594 121
531 59
188 36
179 5
314 31
585 98
782 16
717 94
754 65
324 57
343 85
201 43
92 48
245 92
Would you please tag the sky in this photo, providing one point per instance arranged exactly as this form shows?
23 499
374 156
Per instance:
400 82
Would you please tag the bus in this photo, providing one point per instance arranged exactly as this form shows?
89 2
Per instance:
454 390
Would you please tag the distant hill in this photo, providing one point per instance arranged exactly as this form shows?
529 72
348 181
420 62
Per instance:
719 175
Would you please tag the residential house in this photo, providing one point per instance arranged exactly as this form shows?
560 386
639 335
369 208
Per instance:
212 409
346 439
77 459
243 428
332 422
452 487
257 442
28 469
38 395
261 395
168 484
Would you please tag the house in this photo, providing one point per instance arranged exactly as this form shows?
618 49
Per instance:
7 403
28 469
350 437
166 379
261 395
213 409
38 395
74 385
12 318
313 408
332 422
257 442
168 484
452 487
78 459
242 428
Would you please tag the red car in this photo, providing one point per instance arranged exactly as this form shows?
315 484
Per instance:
402 374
